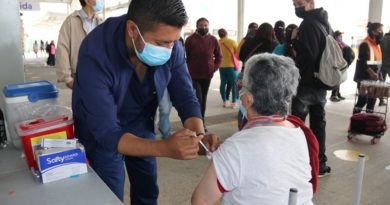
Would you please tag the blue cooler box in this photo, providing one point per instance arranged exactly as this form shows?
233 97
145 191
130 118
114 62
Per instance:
26 101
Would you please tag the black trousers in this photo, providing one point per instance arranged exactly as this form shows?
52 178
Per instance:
201 88
312 101
336 91
364 101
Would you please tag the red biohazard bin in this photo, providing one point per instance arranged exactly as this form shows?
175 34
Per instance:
31 133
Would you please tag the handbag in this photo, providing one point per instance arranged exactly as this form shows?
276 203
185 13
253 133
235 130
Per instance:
235 60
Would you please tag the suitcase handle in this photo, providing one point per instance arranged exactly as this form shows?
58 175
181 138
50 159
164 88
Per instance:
42 122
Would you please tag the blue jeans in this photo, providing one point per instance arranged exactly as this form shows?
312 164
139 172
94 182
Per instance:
164 109
142 172
109 166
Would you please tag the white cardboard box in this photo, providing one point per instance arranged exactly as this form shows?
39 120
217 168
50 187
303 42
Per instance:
59 163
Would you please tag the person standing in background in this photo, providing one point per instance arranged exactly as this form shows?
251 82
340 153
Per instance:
385 69
309 43
36 48
368 64
279 31
252 28
164 109
349 56
203 59
227 71
74 29
42 48
51 48
286 49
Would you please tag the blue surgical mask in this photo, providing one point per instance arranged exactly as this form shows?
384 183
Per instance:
98 6
153 55
243 110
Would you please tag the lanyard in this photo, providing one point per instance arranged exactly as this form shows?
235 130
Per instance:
263 120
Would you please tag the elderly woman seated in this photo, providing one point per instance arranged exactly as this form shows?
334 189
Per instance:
273 153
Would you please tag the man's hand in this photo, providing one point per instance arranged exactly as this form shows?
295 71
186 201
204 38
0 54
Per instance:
372 74
182 145
211 141
70 84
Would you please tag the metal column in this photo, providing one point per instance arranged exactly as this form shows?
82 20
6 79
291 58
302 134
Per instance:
375 11
240 19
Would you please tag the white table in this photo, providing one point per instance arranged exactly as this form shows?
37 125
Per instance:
18 186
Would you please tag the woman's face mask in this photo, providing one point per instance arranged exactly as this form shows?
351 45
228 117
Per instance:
242 108
98 6
152 55
202 31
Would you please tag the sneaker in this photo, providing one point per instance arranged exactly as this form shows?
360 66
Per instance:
227 104
382 103
325 171
235 105
334 99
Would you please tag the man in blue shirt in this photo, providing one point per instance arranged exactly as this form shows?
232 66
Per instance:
124 66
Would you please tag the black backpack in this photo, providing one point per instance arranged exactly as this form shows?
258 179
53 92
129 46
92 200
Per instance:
348 54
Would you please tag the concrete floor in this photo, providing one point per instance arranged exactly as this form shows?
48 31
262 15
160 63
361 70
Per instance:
177 179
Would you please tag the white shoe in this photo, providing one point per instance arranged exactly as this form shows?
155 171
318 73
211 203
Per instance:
226 104
235 105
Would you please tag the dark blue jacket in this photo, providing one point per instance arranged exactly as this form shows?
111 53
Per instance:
104 106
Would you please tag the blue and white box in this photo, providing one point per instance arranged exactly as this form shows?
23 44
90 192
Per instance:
60 163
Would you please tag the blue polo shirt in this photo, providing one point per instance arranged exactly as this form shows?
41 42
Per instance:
108 99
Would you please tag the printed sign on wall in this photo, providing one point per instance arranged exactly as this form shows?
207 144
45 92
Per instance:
29 6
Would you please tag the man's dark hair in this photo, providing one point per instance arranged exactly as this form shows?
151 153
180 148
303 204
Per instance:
253 25
371 27
201 19
222 33
82 2
147 14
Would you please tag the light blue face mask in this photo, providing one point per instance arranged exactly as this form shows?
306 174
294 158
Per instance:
243 111
153 55
241 106
98 6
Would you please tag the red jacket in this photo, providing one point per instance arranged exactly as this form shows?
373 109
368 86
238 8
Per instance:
203 56
313 147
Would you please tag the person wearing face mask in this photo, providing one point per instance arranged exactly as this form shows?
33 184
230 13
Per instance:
385 68
273 152
203 58
309 42
349 56
367 64
252 28
74 29
124 67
